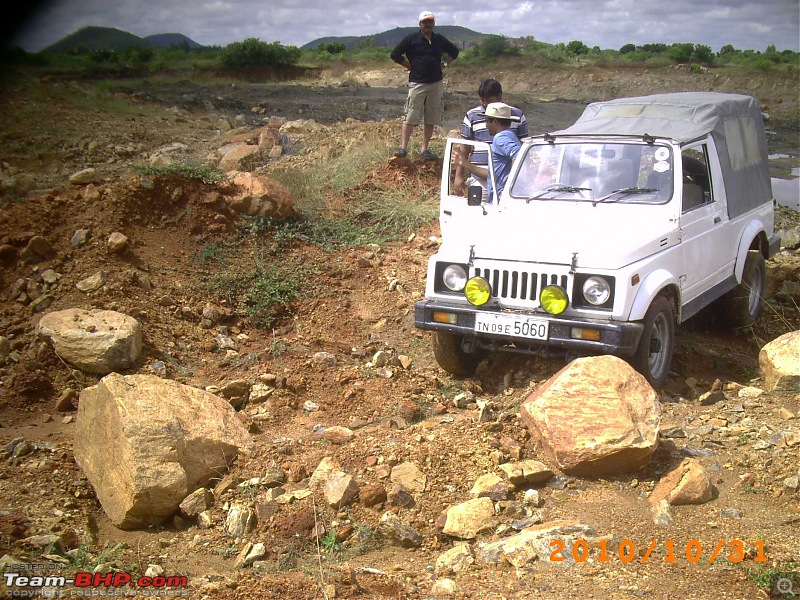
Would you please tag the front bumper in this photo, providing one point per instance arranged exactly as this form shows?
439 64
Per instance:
617 338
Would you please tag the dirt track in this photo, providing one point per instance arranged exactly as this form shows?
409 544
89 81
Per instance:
411 415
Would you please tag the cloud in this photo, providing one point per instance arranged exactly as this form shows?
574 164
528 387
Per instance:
603 23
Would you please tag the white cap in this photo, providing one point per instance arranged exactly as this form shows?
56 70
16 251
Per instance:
426 14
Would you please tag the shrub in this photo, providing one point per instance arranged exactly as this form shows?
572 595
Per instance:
255 54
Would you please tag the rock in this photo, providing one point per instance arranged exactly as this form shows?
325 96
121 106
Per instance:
259 196
372 494
340 490
235 158
117 243
662 513
444 587
198 501
484 484
92 283
534 543
324 359
36 250
711 397
83 177
5 349
80 238
240 520
779 363
397 532
144 443
527 472
409 476
596 416
468 519
326 469
532 498
336 434
455 560
400 497
96 341
688 483
250 554
67 401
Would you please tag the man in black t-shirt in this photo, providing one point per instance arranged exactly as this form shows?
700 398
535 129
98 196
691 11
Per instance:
424 53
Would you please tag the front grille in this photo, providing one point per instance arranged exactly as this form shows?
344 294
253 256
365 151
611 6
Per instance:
514 284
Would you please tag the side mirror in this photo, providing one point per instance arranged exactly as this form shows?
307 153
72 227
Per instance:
474 195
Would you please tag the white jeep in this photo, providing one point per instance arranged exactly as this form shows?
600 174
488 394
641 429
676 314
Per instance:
606 235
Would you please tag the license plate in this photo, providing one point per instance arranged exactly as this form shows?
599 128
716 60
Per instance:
513 325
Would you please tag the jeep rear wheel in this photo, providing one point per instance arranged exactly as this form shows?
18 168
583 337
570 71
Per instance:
653 356
447 348
742 304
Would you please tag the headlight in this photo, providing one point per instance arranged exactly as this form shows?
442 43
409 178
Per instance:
454 278
478 291
554 299
596 291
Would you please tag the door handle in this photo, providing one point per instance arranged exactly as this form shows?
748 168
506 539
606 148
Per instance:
717 220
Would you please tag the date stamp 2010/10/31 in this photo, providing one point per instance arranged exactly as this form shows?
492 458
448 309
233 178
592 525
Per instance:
667 551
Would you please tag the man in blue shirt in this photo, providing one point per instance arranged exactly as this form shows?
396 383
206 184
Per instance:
505 147
474 128
422 54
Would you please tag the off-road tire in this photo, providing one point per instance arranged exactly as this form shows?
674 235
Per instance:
742 305
450 356
653 356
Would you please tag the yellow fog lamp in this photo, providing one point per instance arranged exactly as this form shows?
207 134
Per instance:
554 299
478 291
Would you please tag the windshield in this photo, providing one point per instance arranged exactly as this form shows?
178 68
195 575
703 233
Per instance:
597 172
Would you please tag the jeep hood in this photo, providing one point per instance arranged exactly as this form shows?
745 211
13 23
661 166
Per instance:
600 238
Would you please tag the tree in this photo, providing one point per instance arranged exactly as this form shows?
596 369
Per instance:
494 46
255 54
332 48
681 53
627 49
577 48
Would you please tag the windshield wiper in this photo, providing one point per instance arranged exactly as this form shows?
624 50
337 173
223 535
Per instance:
625 192
558 188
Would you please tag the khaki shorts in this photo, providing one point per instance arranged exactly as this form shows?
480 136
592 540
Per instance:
425 103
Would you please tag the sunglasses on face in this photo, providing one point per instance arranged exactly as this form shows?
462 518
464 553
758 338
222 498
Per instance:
428 22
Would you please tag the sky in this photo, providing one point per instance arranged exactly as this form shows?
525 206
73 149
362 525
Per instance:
609 24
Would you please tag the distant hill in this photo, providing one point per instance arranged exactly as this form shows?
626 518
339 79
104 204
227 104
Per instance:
460 36
109 38
166 40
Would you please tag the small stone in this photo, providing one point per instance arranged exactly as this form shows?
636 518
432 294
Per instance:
117 243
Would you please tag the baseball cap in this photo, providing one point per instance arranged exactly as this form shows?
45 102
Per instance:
500 110
425 15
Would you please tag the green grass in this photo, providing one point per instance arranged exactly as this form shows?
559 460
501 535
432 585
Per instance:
263 293
768 579
190 170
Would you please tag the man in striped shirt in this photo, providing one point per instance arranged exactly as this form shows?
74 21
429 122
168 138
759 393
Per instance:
474 128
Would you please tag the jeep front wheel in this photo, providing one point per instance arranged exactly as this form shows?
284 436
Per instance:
654 354
742 304
451 356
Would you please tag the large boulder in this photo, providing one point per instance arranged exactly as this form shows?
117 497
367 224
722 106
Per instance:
594 417
259 196
146 443
780 362
95 341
